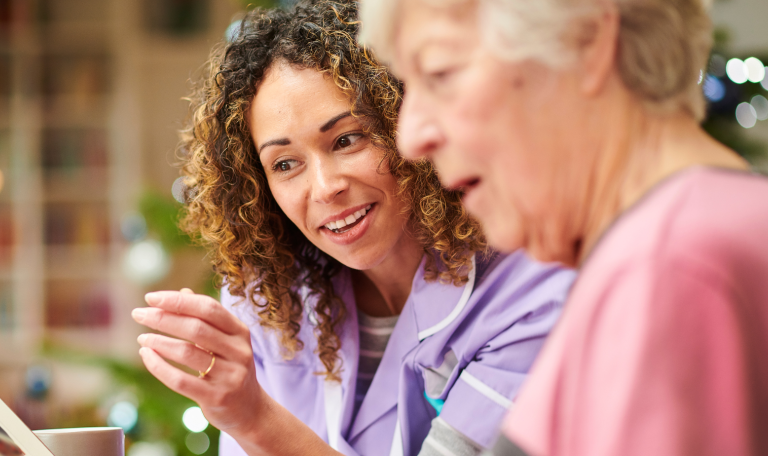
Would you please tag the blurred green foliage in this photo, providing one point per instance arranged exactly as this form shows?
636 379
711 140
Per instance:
162 214
731 134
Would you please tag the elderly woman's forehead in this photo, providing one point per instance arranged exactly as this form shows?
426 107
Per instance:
385 21
424 21
435 10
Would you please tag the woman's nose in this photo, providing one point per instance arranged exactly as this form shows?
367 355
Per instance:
328 182
418 135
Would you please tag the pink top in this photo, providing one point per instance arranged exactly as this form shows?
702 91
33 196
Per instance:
663 346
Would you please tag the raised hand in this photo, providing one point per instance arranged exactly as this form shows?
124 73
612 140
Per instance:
213 342
207 339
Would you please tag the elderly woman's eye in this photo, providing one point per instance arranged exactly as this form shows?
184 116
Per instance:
442 74
439 76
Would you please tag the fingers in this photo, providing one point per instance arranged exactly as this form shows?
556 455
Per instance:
179 351
185 302
175 379
188 328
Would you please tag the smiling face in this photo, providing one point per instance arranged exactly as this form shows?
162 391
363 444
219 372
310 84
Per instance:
499 130
323 171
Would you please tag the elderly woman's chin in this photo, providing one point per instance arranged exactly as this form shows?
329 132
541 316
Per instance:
502 230
507 230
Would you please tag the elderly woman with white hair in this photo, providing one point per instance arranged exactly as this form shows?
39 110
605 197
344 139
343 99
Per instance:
573 128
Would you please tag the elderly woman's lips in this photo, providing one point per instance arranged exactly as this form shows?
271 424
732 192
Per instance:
464 185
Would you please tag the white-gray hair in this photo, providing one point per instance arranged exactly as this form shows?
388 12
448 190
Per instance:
663 44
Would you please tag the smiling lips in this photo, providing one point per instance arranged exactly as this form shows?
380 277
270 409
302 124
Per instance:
339 225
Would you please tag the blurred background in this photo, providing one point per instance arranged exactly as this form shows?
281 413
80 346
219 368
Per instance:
91 99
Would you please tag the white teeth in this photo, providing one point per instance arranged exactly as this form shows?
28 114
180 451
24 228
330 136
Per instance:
351 218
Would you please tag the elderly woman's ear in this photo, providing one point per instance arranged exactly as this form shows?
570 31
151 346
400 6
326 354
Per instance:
597 43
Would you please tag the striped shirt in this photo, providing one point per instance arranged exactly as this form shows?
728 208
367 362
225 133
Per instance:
374 336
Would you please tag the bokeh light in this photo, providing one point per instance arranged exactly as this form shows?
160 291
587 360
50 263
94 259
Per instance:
179 190
133 225
194 420
232 31
146 262
760 103
198 442
737 71
765 81
746 115
714 89
755 69
123 415
38 381
151 449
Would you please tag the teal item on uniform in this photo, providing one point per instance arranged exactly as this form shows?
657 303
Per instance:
437 404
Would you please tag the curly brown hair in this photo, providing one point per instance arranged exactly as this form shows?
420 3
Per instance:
256 250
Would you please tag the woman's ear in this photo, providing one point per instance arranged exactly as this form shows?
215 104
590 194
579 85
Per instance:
597 48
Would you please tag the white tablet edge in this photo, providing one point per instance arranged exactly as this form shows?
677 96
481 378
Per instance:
20 433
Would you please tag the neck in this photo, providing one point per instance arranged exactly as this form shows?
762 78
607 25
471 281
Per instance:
635 158
382 291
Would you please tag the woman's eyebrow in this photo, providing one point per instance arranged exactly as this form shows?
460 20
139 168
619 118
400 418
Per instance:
325 127
274 142
328 125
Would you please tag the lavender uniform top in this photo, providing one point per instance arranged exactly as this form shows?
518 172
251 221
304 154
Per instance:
460 352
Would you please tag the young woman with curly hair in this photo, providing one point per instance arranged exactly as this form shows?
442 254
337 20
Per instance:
361 313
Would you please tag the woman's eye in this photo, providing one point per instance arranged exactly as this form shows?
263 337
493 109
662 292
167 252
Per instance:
434 77
348 140
283 166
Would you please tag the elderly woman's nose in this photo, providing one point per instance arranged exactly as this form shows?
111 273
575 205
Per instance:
327 182
417 134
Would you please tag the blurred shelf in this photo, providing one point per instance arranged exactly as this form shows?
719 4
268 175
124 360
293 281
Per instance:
73 84
83 36
76 111
90 269
66 11
6 265
77 224
61 257
16 348
79 184
94 340
5 109
78 304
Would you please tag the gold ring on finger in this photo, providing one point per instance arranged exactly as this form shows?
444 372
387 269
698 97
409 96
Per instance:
213 361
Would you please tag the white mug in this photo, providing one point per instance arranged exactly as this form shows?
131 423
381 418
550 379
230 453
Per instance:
101 441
